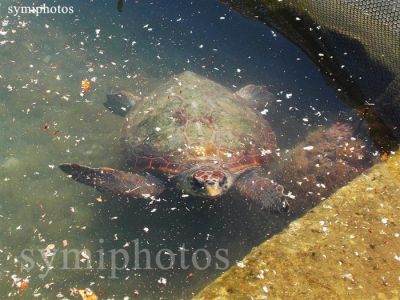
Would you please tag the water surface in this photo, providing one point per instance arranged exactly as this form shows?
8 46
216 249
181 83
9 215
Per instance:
45 121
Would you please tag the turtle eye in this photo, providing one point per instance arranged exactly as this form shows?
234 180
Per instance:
196 183
223 180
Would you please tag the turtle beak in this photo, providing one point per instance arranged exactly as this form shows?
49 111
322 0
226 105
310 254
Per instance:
213 190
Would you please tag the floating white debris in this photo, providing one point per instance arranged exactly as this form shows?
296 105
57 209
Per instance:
240 264
85 254
145 229
308 148
397 257
288 95
162 280
158 128
201 46
348 276
384 220
50 247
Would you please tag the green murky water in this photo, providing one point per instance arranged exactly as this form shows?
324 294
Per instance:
45 121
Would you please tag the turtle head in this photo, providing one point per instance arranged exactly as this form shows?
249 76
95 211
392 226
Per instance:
206 181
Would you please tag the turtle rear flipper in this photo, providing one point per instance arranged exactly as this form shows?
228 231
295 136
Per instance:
121 102
115 181
263 192
257 96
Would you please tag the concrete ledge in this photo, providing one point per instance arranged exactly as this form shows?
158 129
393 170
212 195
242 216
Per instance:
346 248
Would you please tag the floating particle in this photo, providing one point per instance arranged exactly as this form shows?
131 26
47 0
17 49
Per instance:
86 86
23 286
145 229
348 276
50 247
85 254
86 294
308 148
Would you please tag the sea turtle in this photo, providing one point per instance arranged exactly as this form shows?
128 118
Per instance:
199 136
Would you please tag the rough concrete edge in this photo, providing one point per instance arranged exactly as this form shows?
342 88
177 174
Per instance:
284 266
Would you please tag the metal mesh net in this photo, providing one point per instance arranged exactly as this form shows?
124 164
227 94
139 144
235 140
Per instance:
360 45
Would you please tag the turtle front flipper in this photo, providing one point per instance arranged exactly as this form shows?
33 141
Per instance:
263 192
115 181
121 102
